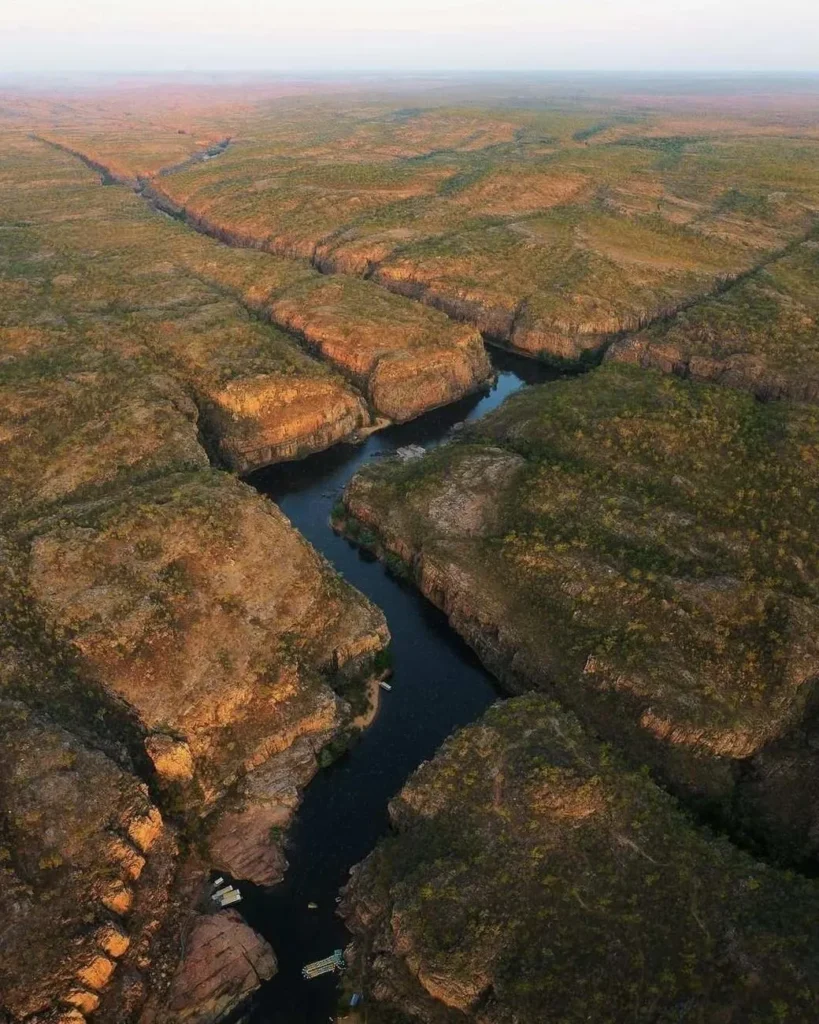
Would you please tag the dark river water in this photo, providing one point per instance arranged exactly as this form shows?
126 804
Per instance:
438 685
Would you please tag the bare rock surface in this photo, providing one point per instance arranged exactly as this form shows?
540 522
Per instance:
224 961
246 839
203 645
75 835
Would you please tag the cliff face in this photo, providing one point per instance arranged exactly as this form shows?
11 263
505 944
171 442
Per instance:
161 626
160 342
405 359
591 539
225 961
532 877
762 335
552 257
200 606
75 835
404 362
256 422
559 286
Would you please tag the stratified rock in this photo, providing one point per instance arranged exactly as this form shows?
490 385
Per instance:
533 878
643 548
259 421
761 335
67 811
196 602
160 343
406 360
245 839
224 962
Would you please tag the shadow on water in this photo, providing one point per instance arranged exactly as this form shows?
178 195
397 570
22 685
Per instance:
437 686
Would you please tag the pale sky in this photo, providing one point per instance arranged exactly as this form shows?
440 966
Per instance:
342 35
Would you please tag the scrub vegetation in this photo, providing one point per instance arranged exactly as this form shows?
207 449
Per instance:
534 877
550 230
201 280
643 547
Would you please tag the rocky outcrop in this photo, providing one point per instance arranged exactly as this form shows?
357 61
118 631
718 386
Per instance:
163 597
406 363
246 839
504 320
531 876
761 334
75 836
223 963
749 372
257 422
584 540
493 317
161 625
405 360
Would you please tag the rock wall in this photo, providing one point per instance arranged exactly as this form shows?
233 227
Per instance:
531 876
584 541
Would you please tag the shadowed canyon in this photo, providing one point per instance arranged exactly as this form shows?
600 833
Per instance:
408 518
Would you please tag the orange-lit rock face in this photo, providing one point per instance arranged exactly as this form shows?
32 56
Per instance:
63 803
136 354
208 634
82 1000
264 420
96 973
549 231
405 361
172 759
208 655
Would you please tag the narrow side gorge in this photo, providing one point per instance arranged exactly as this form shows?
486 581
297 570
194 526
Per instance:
407 548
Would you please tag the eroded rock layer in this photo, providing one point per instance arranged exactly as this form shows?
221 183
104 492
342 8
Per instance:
76 832
644 548
163 630
762 335
533 878
549 238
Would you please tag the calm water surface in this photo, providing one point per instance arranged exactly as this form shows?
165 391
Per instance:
437 686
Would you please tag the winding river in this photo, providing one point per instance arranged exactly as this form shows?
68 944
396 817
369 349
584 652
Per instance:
438 685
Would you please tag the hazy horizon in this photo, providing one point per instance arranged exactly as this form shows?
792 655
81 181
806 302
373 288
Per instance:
677 36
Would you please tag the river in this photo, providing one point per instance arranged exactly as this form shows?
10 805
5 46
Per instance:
438 684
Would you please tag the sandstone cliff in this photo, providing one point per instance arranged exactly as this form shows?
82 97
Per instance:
531 877
199 605
225 961
642 548
761 335
76 832
404 362
163 629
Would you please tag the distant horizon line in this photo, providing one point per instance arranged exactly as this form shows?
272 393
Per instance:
414 73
